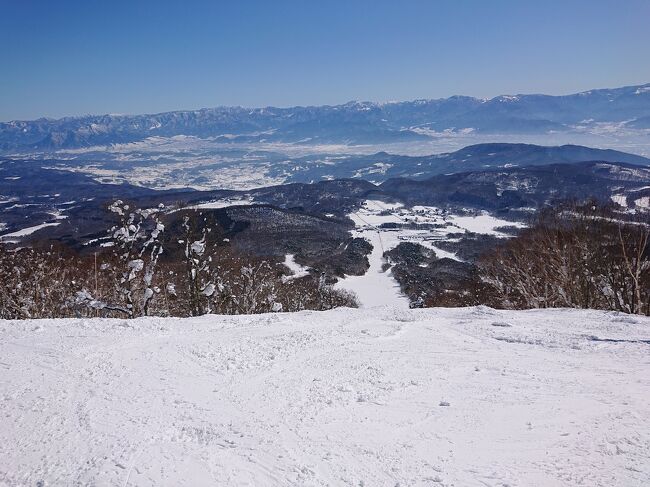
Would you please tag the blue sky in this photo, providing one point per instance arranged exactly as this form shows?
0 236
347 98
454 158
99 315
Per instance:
64 57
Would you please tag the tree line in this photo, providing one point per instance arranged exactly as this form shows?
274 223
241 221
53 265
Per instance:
574 256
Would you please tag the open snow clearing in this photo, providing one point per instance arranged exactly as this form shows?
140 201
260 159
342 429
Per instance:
374 397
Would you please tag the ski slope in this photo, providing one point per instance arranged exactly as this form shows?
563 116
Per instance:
373 397
378 287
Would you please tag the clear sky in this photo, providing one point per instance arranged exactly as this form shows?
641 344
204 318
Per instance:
64 57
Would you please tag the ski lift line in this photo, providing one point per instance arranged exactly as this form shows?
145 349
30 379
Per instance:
381 242
380 205
377 229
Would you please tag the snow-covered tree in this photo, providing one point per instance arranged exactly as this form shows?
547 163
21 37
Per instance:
198 269
136 247
38 283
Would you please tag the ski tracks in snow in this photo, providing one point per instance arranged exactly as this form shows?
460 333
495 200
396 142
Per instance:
381 396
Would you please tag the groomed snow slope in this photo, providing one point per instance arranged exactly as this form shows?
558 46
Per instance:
374 397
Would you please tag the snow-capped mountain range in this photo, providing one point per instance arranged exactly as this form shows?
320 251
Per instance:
626 108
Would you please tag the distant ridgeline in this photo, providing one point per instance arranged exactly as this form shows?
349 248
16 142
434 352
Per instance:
351 123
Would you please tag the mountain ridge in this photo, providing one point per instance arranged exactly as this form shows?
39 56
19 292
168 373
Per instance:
485 156
505 97
353 122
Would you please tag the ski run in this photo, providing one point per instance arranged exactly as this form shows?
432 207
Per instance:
381 396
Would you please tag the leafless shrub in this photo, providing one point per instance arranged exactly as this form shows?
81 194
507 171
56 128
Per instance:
580 257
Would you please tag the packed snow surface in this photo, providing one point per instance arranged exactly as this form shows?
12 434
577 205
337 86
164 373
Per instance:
374 397
376 287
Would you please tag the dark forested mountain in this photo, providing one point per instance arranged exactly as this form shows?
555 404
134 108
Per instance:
354 122
512 188
531 186
58 196
76 177
380 166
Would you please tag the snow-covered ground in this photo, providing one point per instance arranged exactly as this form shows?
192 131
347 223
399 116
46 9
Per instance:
377 287
296 269
374 397
27 231
223 203
374 213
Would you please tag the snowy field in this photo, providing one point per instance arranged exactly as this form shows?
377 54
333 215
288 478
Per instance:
374 397
372 214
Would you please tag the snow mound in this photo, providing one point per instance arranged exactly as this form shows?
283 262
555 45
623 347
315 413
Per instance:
380 396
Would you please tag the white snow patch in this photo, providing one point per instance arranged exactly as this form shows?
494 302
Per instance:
297 269
223 203
620 199
483 223
29 230
643 202
427 225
